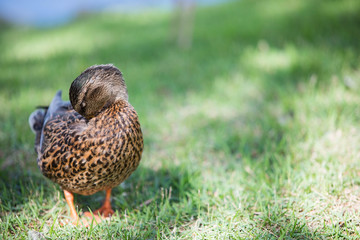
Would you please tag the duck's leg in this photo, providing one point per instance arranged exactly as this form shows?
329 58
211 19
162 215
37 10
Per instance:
69 197
106 210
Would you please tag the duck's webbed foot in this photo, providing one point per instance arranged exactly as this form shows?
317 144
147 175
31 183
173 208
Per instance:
105 210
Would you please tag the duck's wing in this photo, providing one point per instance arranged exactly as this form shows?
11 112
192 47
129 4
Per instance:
59 116
57 107
42 115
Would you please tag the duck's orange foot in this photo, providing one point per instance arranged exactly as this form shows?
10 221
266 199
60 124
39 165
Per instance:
83 221
92 218
101 213
89 218
105 210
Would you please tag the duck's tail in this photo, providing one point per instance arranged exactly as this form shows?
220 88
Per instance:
41 115
36 122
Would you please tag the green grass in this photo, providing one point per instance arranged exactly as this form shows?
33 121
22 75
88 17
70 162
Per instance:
251 134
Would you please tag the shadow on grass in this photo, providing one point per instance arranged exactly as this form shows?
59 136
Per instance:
145 189
297 33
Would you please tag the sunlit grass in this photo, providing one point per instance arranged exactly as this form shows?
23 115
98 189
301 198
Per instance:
251 134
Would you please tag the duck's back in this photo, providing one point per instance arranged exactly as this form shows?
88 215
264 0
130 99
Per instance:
88 156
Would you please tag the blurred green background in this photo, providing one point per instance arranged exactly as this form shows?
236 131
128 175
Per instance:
251 124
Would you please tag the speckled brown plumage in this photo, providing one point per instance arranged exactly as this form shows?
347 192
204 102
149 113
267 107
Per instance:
94 151
86 157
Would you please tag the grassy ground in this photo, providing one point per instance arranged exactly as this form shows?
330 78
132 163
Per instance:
252 134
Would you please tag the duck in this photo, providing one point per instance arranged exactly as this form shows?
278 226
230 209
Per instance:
91 143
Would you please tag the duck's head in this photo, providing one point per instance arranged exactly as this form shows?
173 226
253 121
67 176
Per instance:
97 87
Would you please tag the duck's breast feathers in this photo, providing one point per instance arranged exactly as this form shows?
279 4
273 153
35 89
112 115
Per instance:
119 122
78 153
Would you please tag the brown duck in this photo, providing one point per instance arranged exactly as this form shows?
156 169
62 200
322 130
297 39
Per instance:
92 144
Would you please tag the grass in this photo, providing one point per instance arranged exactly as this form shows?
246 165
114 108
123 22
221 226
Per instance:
251 134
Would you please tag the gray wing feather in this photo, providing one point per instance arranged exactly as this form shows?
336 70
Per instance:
56 107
